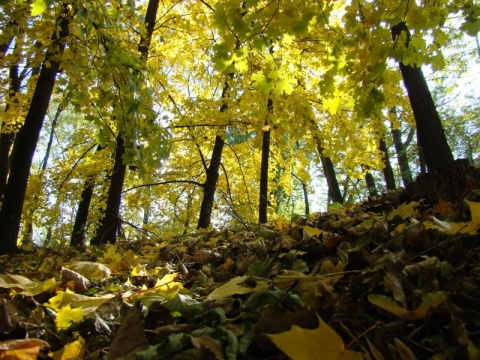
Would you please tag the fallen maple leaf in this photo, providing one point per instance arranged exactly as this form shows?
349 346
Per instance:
404 211
320 343
66 316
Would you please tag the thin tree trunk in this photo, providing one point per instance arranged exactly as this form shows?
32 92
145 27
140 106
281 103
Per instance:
50 139
401 150
6 138
263 203
210 185
305 195
107 231
387 170
27 138
110 223
80 225
334 193
330 175
372 188
430 132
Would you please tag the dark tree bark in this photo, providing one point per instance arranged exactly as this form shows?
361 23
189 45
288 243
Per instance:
263 203
107 231
210 185
387 170
79 227
6 138
430 132
334 192
305 195
27 138
329 171
401 150
110 223
372 188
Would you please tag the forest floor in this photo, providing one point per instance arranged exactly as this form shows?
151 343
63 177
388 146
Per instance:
377 280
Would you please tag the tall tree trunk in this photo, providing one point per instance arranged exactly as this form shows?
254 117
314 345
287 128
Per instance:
6 138
334 192
52 135
401 150
80 225
372 188
387 170
107 231
332 182
210 185
430 132
110 223
27 138
263 203
305 195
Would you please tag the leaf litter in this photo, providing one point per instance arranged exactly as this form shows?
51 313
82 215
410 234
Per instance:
376 280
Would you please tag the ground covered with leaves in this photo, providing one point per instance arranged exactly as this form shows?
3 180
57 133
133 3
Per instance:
384 279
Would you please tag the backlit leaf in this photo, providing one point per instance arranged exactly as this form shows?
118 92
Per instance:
305 344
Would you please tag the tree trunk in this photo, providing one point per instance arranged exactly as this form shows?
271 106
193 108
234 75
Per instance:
80 225
401 150
372 188
263 203
387 170
430 132
329 171
110 223
210 184
50 139
27 138
107 231
6 138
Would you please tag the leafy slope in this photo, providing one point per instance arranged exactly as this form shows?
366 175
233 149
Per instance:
379 280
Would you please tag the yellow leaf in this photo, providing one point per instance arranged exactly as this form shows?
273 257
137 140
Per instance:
305 344
404 211
139 270
66 316
38 7
474 210
236 286
73 350
168 286
22 349
429 300
311 231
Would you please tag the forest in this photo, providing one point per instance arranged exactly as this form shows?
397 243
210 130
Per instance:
184 124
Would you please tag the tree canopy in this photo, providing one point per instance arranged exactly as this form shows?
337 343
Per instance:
198 80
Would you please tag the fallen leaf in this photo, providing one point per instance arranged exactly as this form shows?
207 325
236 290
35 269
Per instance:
21 349
91 270
236 286
304 344
73 350
429 300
